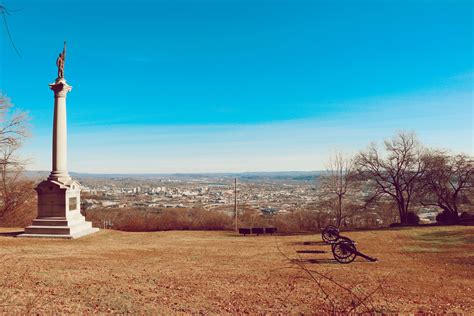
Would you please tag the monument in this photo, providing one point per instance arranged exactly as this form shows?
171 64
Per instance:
59 199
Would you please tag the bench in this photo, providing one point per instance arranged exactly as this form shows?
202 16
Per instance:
270 230
245 231
257 230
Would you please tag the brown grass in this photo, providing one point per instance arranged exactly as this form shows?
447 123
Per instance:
221 272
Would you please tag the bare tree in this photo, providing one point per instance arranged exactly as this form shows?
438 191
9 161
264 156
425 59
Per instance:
339 178
14 190
395 172
446 179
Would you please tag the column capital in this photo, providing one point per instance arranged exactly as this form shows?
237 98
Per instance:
60 87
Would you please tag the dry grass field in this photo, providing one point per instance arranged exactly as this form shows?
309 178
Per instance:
420 269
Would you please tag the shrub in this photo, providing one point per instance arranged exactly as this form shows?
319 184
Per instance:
466 216
412 218
301 221
446 217
23 206
137 220
395 225
162 219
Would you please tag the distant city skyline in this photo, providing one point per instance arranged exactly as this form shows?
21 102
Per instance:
239 86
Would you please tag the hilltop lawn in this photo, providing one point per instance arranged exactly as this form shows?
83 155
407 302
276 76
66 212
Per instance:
420 269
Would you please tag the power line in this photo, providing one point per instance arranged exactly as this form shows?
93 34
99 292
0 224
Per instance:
235 202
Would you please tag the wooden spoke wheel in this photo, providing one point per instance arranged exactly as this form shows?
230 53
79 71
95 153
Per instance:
344 250
330 234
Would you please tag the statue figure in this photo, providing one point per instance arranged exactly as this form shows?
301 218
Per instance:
60 62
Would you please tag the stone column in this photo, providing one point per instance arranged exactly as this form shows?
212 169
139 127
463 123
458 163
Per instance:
59 197
59 171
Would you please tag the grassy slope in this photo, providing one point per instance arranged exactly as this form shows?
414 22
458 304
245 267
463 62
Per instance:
422 269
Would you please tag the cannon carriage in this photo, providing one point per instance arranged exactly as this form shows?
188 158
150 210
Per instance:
343 248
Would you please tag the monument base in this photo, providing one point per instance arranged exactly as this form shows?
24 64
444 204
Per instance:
59 227
59 214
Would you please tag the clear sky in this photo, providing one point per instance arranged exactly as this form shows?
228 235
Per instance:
234 85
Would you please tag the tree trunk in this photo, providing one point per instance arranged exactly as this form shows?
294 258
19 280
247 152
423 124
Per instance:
339 211
401 212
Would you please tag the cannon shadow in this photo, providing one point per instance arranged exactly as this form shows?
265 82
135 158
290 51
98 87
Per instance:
309 243
311 251
316 261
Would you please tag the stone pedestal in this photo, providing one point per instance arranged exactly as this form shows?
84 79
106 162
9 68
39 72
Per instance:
59 199
59 214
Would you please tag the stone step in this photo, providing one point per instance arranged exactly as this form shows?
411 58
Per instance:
74 226
25 235
50 222
61 221
65 229
61 236
50 230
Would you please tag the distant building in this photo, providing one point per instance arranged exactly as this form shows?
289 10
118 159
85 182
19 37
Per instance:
269 210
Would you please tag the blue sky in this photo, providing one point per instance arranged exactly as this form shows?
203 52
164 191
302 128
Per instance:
218 86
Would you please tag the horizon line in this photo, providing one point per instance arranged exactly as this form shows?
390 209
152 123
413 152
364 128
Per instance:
183 173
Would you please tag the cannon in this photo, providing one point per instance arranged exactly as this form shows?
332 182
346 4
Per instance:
343 248
344 251
330 234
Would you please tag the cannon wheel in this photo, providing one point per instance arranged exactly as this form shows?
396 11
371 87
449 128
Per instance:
344 250
330 234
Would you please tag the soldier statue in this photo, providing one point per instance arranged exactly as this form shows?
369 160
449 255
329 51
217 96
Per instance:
60 62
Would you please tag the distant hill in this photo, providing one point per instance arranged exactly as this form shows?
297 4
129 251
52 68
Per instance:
244 176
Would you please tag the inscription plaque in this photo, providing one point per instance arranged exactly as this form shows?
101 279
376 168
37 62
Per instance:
73 203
